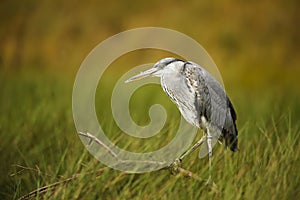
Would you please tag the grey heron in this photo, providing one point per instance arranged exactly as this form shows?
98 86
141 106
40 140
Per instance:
201 100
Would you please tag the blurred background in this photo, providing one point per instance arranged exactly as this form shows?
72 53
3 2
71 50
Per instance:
59 34
255 45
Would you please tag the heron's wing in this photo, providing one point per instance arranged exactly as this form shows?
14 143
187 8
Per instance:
210 102
222 114
215 96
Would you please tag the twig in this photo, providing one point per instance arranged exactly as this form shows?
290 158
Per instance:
111 152
189 174
46 188
52 186
28 168
90 136
121 161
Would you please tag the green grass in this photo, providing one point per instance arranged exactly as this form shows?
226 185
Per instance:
39 147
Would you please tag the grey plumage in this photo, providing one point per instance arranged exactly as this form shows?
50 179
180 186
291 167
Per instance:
200 98
197 93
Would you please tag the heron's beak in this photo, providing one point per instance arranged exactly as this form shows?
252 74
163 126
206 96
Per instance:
141 75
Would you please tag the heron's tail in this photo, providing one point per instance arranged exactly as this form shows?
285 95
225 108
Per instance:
230 131
230 136
232 139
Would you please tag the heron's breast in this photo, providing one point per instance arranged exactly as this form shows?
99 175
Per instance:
175 86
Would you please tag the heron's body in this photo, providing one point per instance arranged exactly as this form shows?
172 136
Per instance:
200 98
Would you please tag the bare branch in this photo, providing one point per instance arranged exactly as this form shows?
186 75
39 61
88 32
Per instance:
53 186
23 168
93 138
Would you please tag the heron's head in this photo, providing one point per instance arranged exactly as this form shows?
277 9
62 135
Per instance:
156 70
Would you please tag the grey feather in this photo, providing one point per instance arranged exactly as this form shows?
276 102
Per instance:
199 97
197 93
